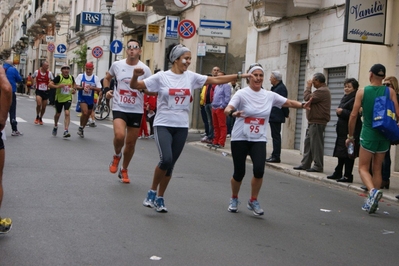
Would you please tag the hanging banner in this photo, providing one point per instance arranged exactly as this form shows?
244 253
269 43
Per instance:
365 21
15 59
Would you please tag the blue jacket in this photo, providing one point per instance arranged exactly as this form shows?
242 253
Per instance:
12 76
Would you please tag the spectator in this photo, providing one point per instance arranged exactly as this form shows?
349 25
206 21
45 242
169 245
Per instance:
277 116
29 83
373 144
14 78
318 117
340 151
221 98
235 86
208 104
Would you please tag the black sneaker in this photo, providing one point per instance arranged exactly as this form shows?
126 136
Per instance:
5 225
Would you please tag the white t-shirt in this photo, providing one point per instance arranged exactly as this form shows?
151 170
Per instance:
257 106
174 94
125 99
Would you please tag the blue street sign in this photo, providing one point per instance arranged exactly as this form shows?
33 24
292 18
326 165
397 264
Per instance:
91 18
61 48
215 24
171 29
116 47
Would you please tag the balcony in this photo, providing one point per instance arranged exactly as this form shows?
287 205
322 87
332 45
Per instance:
165 7
132 17
288 8
43 18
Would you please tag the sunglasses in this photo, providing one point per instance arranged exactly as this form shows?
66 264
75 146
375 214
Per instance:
133 47
387 84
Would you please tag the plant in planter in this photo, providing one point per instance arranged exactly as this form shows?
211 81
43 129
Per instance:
139 5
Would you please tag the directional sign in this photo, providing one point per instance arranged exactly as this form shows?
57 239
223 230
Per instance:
51 47
61 48
215 24
116 47
186 29
214 32
49 38
97 52
171 27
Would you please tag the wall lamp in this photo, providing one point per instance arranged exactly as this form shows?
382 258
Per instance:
108 4
58 27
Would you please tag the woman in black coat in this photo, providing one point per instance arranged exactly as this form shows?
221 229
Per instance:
340 151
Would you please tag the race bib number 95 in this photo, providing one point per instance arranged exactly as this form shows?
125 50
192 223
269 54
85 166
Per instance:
179 98
254 127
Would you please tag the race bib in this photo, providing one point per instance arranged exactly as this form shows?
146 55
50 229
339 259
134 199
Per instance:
179 98
254 128
86 89
66 89
127 98
42 87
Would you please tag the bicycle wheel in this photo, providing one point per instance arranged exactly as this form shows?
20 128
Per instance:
101 112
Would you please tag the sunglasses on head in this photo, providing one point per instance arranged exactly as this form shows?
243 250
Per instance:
387 84
133 47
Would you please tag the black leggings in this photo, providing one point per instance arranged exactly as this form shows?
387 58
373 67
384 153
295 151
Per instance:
170 142
257 152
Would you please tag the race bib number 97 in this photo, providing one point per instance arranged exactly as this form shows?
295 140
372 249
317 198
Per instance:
179 98
254 127
127 98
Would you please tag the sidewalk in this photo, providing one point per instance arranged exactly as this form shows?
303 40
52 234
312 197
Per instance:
291 158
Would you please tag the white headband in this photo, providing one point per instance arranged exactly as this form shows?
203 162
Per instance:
255 68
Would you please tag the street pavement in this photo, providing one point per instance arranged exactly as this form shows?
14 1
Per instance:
291 158
68 209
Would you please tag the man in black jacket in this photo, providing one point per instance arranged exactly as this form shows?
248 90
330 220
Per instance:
277 116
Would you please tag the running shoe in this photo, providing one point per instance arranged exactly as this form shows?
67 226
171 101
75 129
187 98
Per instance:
16 133
92 124
233 205
66 134
159 204
5 225
203 135
36 121
149 200
255 207
81 133
123 177
374 197
204 139
54 133
151 137
113 166
40 121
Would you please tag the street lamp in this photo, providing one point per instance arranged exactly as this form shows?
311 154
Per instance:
57 29
108 4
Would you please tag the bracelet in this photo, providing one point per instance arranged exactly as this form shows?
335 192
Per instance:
302 105
231 112
350 137
239 75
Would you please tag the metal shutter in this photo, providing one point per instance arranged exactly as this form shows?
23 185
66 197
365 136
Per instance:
335 80
301 86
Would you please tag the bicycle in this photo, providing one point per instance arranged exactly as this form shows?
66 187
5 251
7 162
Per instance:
102 110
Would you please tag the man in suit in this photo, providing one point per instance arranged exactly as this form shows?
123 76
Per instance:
277 116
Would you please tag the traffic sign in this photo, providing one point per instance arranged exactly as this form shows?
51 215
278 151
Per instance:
116 47
97 52
171 27
215 24
49 38
61 48
186 29
51 47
